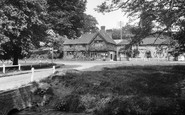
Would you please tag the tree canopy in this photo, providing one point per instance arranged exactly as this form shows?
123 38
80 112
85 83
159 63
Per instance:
126 32
23 23
89 24
155 16
67 17
20 26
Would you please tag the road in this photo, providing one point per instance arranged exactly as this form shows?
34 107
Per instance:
18 79
23 78
15 81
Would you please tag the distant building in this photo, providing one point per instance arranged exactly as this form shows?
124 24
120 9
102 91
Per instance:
91 46
101 46
154 47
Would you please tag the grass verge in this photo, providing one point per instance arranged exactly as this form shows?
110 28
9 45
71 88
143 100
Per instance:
128 90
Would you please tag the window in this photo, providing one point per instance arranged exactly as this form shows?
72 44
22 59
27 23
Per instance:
98 41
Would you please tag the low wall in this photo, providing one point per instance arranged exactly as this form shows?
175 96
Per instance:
15 100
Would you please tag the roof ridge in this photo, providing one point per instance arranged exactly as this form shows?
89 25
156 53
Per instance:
106 35
95 34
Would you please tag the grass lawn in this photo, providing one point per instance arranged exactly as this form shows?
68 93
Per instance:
126 90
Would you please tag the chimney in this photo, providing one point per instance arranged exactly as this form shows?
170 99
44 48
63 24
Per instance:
103 28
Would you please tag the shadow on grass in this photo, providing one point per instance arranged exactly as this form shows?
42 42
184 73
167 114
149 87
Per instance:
142 90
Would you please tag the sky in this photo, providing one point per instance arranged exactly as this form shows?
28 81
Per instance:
109 20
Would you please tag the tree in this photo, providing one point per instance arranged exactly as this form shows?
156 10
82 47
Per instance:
155 16
23 23
20 26
89 24
126 32
67 17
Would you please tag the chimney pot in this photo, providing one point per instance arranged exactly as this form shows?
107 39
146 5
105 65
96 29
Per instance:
103 28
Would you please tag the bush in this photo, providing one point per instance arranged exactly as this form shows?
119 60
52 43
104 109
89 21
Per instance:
70 103
135 53
131 90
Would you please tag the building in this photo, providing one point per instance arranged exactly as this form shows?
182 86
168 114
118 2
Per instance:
101 46
121 47
91 46
154 46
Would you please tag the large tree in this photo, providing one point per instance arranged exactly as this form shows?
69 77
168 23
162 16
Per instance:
155 16
67 17
23 23
20 26
89 24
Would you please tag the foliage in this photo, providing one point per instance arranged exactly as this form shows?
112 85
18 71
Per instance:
55 42
21 27
90 23
120 91
135 53
155 16
67 17
3 55
23 24
70 103
126 32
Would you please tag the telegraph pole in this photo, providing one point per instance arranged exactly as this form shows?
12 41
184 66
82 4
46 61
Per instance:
121 35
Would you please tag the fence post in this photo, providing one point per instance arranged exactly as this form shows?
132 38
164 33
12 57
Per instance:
53 69
19 67
32 74
3 68
40 63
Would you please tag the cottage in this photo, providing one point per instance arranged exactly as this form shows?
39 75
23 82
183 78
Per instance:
101 46
91 46
154 47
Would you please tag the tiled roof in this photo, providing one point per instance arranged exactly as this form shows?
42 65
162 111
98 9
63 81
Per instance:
156 40
84 39
88 37
106 37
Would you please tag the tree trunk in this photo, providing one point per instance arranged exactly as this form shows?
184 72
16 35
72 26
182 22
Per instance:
15 58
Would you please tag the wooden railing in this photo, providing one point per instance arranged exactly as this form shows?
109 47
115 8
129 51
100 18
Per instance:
32 71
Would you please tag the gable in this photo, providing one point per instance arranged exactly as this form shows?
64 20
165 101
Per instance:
98 38
107 37
89 37
102 36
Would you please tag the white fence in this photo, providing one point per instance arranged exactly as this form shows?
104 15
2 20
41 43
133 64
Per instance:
5 66
32 71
